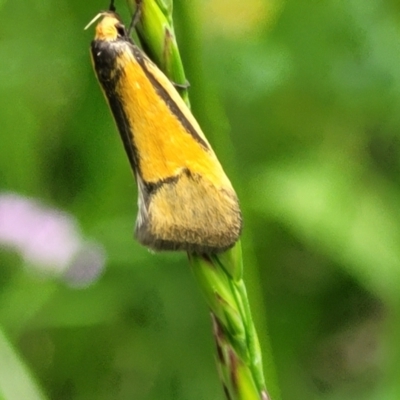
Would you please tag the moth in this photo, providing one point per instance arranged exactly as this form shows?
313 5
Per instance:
185 200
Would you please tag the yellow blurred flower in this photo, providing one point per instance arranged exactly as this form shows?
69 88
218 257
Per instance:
238 18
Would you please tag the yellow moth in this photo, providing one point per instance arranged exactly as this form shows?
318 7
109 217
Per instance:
186 202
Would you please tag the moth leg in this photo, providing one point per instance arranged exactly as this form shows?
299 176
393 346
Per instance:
135 17
112 6
183 86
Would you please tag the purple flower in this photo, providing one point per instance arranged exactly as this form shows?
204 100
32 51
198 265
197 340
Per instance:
48 240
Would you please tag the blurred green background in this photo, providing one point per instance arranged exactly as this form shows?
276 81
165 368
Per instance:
301 101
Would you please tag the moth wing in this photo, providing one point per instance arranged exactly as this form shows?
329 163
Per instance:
188 213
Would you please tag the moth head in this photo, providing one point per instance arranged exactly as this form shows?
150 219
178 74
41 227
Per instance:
110 27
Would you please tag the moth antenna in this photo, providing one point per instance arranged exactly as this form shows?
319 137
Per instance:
94 20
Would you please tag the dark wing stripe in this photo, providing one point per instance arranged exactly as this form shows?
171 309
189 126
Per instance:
167 98
104 62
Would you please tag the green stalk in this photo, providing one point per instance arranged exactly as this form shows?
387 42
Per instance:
220 276
16 380
156 32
